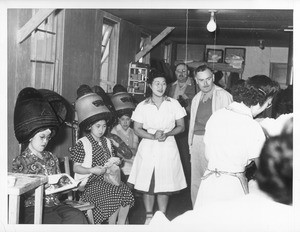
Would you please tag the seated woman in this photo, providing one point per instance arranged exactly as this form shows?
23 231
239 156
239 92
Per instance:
91 155
124 106
35 123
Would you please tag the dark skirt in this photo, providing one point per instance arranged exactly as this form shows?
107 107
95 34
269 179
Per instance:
59 214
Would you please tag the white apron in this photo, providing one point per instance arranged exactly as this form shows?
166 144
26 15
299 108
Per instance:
232 138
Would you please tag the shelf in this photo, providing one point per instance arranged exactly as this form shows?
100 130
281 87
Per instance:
217 66
225 67
133 93
137 78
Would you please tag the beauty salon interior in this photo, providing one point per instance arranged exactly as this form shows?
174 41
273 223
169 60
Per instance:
134 57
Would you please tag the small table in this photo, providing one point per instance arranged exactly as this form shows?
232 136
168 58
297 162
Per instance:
25 183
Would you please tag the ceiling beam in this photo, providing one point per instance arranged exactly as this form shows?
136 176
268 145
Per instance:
155 41
33 23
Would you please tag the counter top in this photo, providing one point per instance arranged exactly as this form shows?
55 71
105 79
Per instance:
25 182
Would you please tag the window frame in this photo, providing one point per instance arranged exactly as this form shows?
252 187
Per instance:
111 80
50 63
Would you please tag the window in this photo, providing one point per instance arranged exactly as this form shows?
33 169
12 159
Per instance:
145 40
167 53
109 51
46 52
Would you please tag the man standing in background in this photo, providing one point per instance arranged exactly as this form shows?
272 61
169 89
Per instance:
204 104
183 89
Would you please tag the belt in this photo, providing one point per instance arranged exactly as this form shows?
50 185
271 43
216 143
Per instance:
240 175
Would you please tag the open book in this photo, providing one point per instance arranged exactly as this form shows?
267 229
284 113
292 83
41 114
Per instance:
60 182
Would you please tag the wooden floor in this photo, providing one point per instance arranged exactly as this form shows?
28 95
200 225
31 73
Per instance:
178 204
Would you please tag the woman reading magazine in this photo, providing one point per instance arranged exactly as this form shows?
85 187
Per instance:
35 123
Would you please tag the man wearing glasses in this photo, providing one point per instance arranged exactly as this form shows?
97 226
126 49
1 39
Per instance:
183 89
204 104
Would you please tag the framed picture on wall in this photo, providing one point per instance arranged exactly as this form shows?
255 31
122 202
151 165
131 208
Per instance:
235 53
214 55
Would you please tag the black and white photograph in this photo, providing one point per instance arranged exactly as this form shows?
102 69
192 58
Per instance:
149 116
214 55
235 53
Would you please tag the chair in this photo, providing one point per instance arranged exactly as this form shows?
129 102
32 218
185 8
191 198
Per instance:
82 206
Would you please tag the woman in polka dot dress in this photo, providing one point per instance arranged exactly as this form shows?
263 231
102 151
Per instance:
111 202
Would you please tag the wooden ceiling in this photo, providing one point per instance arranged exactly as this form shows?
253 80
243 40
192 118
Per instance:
240 27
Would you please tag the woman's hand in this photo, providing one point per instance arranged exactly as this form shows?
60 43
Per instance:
113 160
158 134
98 170
162 138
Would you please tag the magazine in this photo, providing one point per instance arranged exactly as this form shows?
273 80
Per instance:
60 182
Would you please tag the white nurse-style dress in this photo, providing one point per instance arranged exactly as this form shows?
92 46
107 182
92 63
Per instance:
232 138
161 157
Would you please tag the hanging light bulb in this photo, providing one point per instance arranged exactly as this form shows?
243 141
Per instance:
212 26
261 44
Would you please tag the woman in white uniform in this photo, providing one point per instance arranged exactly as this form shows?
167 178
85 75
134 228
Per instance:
157 169
233 138
270 209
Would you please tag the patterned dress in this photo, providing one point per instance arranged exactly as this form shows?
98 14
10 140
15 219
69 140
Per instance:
106 197
55 212
28 163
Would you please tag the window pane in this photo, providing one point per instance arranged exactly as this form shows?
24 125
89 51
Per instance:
107 32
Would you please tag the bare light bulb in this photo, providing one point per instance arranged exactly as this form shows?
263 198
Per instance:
211 26
261 44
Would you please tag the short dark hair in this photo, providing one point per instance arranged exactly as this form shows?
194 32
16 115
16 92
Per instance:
284 101
154 73
256 89
119 88
275 172
202 68
187 67
122 112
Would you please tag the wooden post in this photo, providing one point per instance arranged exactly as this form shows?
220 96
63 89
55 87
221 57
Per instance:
38 205
33 23
155 41
289 78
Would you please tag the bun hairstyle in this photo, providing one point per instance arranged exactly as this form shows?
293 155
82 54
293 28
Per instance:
32 114
90 108
256 89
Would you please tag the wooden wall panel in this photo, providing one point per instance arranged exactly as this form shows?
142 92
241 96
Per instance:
78 64
130 36
78 61
18 72
78 51
195 52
